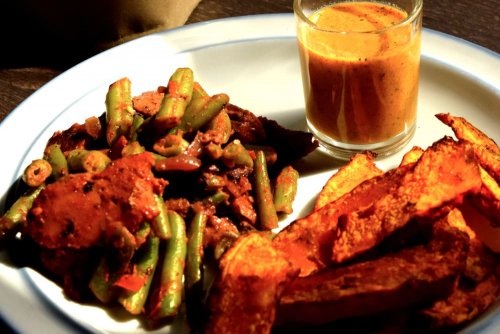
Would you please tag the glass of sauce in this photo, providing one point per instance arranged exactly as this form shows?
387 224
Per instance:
360 71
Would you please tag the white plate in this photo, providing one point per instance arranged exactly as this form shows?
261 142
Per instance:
254 60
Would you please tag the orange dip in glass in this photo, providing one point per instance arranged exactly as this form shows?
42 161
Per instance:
361 79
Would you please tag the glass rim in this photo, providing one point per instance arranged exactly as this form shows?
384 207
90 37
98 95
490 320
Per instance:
416 11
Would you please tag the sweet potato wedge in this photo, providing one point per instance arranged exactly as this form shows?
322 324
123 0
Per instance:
444 174
481 262
487 201
481 226
246 292
360 168
407 278
307 241
485 148
412 155
463 305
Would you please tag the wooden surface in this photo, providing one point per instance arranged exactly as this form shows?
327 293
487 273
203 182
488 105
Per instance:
25 64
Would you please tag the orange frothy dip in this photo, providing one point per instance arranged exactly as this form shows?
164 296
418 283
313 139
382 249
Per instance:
361 66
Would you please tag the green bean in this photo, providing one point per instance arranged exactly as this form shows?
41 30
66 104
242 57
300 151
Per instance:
122 242
172 109
81 160
200 111
144 268
142 234
101 282
132 148
55 156
15 216
213 151
119 110
198 91
112 265
192 110
285 189
269 152
194 272
167 300
235 154
216 198
174 103
194 260
170 145
181 83
37 172
224 244
160 224
213 181
220 124
264 197
137 122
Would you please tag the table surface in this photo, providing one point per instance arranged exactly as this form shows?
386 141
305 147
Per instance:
25 67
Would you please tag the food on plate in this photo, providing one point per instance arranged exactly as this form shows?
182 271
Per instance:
246 292
285 189
463 305
486 150
412 276
124 192
401 252
467 300
412 155
128 207
361 167
444 174
152 208
308 240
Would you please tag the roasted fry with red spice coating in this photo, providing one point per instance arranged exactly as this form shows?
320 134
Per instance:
245 294
412 155
444 174
409 277
481 262
475 292
307 241
487 201
463 305
360 168
481 226
485 148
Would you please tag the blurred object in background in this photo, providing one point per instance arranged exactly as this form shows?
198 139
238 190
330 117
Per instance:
59 32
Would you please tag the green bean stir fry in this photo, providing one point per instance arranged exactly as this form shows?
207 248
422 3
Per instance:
130 207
